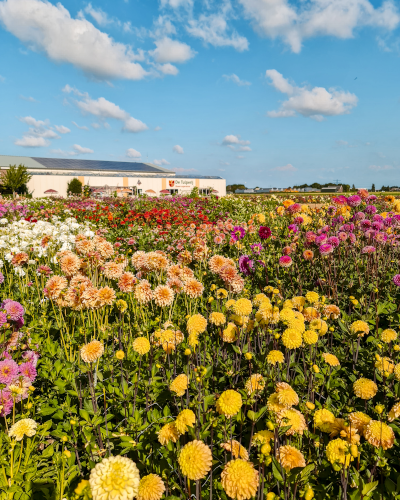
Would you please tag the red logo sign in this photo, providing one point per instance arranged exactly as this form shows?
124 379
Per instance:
171 184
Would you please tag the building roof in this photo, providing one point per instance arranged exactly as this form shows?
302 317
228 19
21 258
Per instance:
82 165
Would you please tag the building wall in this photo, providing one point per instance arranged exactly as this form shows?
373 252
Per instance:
41 183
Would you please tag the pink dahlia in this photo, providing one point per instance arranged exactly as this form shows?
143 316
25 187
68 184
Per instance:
14 310
8 371
285 261
6 403
28 370
326 249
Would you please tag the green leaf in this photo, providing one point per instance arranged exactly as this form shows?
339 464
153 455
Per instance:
48 452
84 414
252 415
275 470
304 474
369 488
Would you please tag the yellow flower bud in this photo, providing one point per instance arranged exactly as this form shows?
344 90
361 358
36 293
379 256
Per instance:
29 406
213 287
396 347
266 449
67 453
310 405
248 355
277 336
309 494
72 422
377 357
331 329
198 379
379 409
354 450
210 299
31 388
271 495
64 438
158 366
351 297
315 369
271 426
188 352
120 354
268 460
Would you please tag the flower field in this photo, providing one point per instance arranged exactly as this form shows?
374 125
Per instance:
234 348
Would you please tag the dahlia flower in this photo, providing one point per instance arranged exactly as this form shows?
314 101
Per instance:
25 427
240 479
151 487
141 345
179 385
185 419
238 451
195 460
168 433
114 478
290 457
92 352
338 452
8 371
379 434
229 403
365 388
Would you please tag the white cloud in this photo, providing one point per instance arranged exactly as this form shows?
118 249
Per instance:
235 79
243 148
213 30
240 157
378 168
176 3
51 29
234 139
178 149
2 79
132 153
76 150
286 168
61 129
102 108
39 134
171 51
168 69
294 22
73 90
342 143
161 162
224 163
81 150
315 103
29 99
157 128
31 141
82 127
98 15
96 125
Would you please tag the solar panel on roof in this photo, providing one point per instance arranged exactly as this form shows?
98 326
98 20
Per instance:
68 163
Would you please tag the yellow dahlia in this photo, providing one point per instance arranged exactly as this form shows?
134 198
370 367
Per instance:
168 433
346 431
310 337
286 394
260 298
196 324
114 478
24 427
229 403
242 307
385 366
394 412
312 297
255 383
274 357
229 303
338 452
290 457
397 371
262 437
273 403
185 419
310 313
193 339
221 293
359 327
179 385
230 333
365 388
359 421
217 318
195 460
91 352
323 420
291 338
240 479
293 418
331 359
141 345
151 487
379 434
286 314
298 302
238 451
388 335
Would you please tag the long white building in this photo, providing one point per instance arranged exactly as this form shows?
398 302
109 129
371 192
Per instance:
50 176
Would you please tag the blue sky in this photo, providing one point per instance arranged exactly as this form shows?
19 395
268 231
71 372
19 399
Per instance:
267 92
